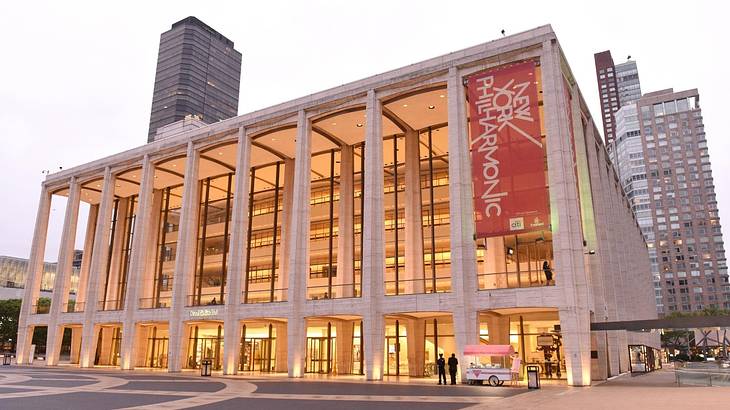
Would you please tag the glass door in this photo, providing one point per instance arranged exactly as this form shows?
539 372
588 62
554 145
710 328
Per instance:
318 361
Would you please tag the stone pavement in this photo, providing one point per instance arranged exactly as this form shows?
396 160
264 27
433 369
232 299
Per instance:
655 390
79 389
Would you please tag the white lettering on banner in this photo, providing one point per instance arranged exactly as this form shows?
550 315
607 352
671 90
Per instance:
498 107
203 312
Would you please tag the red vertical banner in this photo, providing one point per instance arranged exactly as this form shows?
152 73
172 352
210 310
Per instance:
507 153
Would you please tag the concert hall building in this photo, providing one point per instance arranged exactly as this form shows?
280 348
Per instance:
360 230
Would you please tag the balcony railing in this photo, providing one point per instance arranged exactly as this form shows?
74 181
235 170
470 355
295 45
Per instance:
418 286
205 299
163 302
510 280
41 309
348 290
109 305
264 296
73 307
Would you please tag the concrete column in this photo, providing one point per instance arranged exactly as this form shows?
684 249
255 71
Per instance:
142 243
146 283
345 243
62 281
495 261
286 212
414 223
185 261
115 267
237 260
86 258
373 251
567 229
97 268
33 277
299 247
75 344
281 346
461 211
139 347
344 346
107 334
415 335
498 327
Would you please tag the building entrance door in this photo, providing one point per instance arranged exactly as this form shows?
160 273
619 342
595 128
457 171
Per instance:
320 352
205 344
157 352
257 355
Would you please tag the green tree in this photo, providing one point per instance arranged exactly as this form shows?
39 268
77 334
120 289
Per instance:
9 314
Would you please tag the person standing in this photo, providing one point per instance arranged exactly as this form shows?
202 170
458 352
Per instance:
441 364
548 272
453 363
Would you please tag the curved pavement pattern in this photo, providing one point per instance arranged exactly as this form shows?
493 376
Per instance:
80 389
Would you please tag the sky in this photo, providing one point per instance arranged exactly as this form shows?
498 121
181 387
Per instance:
76 77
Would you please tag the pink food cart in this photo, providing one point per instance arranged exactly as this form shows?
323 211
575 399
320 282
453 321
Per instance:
494 364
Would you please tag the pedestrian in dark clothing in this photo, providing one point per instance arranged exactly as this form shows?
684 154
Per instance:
453 363
548 271
441 364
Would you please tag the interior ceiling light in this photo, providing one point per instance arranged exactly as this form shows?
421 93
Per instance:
441 96
220 153
431 107
405 105
334 123
134 176
359 125
273 139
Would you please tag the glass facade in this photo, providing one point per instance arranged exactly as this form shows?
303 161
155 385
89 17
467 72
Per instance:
264 282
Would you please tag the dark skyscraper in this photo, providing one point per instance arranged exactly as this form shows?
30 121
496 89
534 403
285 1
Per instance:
198 73
608 93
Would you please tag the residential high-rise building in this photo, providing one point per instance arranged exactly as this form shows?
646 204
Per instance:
627 83
686 245
198 74
627 156
618 85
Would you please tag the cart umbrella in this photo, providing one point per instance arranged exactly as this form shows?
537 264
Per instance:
488 350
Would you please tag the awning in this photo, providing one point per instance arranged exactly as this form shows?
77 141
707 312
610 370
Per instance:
489 350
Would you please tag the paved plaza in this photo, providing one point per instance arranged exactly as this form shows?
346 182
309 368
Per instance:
73 388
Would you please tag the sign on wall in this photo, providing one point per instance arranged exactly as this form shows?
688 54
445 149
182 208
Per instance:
508 163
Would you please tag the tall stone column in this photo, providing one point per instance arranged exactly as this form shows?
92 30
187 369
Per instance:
345 243
299 247
110 288
373 252
33 276
62 281
142 243
185 261
288 205
281 347
461 212
237 265
343 342
567 230
415 335
75 344
414 221
86 258
97 268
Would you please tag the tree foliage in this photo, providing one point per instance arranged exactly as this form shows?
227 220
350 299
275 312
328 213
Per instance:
9 314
